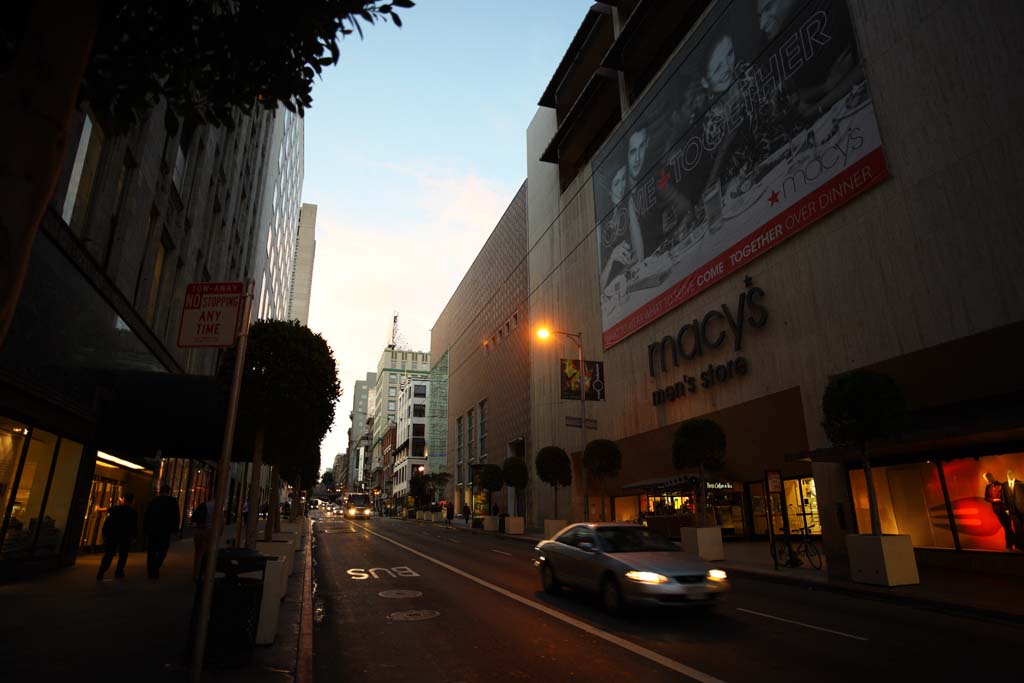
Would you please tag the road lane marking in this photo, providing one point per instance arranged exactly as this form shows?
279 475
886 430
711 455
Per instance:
639 650
454 541
501 552
800 623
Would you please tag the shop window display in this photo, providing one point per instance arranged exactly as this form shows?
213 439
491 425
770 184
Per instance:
910 501
988 514
12 439
58 500
24 522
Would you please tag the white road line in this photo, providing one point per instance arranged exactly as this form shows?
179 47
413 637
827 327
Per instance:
450 539
501 552
800 623
639 650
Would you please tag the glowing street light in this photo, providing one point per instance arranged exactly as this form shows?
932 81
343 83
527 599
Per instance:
544 334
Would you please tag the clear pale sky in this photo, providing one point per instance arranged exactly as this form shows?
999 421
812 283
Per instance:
415 145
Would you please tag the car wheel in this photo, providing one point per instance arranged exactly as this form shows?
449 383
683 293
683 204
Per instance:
547 578
611 596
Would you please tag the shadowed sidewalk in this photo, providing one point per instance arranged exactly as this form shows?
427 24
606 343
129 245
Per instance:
65 625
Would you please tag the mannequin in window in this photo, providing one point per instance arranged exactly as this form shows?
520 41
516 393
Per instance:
1013 496
994 495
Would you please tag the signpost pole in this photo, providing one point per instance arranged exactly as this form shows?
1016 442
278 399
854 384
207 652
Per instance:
771 524
583 427
223 467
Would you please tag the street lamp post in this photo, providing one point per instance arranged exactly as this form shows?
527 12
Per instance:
577 339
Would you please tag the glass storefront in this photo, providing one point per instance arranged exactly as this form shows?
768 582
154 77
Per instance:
38 471
917 499
801 500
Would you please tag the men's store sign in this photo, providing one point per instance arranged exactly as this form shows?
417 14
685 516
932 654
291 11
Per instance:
704 335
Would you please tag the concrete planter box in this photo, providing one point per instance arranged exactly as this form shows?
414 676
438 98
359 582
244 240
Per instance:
436 516
553 526
490 523
882 560
279 548
703 541
515 525
275 585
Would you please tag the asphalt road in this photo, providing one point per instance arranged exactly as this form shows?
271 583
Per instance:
469 607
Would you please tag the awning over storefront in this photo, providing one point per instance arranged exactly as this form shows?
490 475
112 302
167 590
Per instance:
659 484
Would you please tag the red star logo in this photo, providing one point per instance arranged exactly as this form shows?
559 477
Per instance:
774 198
663 180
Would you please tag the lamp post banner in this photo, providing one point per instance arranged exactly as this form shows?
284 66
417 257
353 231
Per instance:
569 373
761 125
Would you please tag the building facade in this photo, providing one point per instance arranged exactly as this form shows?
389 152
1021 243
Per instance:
411 434
133 220
732 222
302 265
482 335
363 398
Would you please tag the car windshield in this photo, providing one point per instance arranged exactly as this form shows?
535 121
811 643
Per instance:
359 500
632 540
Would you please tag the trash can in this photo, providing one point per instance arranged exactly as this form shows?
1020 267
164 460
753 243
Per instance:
235 610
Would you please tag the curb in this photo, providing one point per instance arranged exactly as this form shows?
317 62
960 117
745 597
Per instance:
304 656
950 608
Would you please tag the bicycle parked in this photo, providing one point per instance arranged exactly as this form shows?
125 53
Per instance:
788 554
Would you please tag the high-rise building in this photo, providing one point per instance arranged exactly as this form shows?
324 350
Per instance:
302 265
90 371
362 400
395 369
279 216
411 434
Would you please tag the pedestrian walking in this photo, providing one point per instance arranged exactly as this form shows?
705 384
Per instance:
161 520
118 532
465 513
202 535
449 513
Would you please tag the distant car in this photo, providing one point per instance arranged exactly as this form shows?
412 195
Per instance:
627 564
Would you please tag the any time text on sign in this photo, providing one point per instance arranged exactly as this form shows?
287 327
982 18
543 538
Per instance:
209 316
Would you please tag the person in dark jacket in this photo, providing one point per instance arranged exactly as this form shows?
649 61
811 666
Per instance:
449 513
118 532
160 522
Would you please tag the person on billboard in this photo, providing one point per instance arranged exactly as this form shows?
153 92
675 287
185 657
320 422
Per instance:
994 495
618 234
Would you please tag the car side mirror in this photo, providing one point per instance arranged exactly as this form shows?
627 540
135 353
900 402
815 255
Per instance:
586 546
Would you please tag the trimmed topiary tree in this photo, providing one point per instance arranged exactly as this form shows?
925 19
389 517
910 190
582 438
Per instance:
603 459
700 444
553 468
861 406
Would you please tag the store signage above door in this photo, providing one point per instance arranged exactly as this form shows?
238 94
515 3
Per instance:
210 314
705 334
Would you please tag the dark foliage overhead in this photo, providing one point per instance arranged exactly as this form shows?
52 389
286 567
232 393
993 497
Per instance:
698 443
553 466
491 478
860 406
515 472
207 58
602 458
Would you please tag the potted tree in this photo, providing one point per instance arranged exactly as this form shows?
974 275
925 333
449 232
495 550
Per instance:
700 444
553 468
859 407
603 459
491 481
516 475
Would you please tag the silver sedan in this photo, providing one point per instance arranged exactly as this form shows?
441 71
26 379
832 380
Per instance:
627 564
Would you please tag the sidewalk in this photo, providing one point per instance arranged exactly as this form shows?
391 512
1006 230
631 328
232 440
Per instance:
67 626
989 596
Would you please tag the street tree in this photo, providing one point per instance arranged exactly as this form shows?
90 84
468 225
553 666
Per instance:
517 475
491 480
603 459
289 391
699 444
199 61
553 468
859 407
327 480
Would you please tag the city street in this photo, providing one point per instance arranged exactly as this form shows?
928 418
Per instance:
401 600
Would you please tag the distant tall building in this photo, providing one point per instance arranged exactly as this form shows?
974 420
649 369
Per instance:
279 216
362 399
302 265
394 370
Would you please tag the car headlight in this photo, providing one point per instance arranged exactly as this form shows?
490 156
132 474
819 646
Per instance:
646 577
351 511
717 575
366 512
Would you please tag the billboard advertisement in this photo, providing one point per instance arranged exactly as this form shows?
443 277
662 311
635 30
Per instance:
759 126
570 376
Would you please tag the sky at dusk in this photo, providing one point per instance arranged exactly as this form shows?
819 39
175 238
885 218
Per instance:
414 147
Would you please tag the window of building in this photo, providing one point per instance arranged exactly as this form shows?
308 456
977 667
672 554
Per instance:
418 429
419 410
391 407
471 434
458 440
507 327
392 378
391 392
83 174
419 390
483 428
515 319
